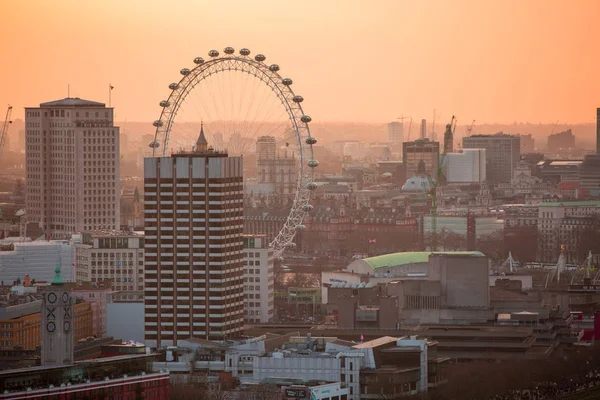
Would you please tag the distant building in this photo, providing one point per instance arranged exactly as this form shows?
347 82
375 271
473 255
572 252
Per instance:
561 141
527 144
559 224
116 256
556 171
395 132
502 154
97 295
589 173
36 258
275 168
258 279
193 205
72 166
426 150
423 129
469 166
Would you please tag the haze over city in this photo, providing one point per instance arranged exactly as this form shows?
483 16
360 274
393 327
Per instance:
324 200
353 61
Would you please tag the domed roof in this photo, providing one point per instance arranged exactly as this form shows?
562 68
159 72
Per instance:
417 183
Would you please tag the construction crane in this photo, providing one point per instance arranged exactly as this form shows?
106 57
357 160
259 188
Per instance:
402 118
4 130
469 130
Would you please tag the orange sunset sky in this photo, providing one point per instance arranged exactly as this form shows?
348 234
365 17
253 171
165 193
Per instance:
352 60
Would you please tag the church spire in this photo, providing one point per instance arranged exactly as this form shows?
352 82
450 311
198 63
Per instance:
201 143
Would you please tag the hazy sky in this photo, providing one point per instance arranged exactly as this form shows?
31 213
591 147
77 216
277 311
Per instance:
352 60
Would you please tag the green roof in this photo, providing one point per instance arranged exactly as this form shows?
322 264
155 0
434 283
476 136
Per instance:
412 257
589 203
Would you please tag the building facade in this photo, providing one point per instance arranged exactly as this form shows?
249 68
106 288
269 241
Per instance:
258 279
37 258
114 256
194 249
97 295
589 175
560 225
395 132
120 377
502 154
466 167
72 166
275 168
527 144
561 141
425 150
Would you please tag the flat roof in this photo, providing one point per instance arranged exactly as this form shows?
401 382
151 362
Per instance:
589 203
376 342
412 257
72 102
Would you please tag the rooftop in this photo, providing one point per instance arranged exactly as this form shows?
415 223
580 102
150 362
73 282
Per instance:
412 257
588 203
376 342
72 102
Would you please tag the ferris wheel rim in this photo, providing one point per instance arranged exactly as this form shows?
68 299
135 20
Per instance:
269 75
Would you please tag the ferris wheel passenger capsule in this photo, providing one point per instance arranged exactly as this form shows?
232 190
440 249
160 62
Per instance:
260 57
313 163
274 68
165 103
300 227
298 99
245 52
158 123
199 60
184 71
311 186
306 119
154 144
311 140
174 86
229 50
213 53
287 81
308 207
291 245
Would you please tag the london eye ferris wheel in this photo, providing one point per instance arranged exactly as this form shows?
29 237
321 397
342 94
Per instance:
239 101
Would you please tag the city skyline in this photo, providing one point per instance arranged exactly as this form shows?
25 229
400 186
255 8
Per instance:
521 70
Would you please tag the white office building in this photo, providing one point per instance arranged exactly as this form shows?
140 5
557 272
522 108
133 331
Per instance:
72 166
468 166
258 279
112 255
38 259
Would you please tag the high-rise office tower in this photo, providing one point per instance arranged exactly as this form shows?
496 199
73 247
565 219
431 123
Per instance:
193 205
72 167
502 153
395 132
